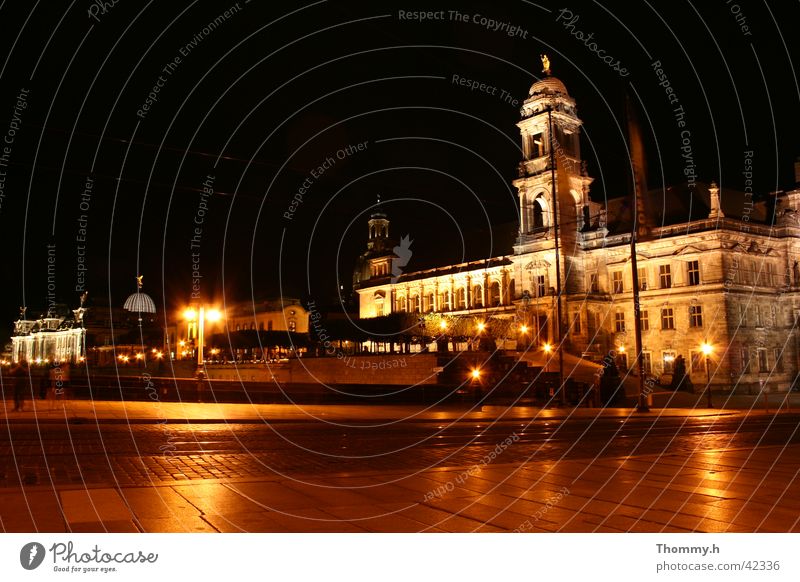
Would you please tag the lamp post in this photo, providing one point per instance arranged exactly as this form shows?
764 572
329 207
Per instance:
707 349
547 349
201 316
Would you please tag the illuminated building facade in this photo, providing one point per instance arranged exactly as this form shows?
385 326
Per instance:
719 268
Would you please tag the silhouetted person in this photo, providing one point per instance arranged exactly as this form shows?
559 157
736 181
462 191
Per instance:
20 375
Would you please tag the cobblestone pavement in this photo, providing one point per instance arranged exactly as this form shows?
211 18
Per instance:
145 454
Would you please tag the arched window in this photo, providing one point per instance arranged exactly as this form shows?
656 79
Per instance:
538 214
401 304
494 294
461 295
477 296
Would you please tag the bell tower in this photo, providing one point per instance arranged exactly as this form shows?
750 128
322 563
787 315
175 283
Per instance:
376 262
550 132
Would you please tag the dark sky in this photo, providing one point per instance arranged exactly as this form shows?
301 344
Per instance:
275 89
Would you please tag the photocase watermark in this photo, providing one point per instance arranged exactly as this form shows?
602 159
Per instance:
51 278
506 27
32 555
197 233
739 17
383 364
315 174
8 139
69 559
99 8
462 477
551 502
80 237
184 51
679 114
168 448
481 87
403 254
568 19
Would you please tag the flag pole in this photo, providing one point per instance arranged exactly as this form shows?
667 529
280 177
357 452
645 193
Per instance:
563 394
639 218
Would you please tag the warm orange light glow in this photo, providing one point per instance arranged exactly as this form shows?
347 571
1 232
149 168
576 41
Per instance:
443 324
189 314
159 355
213 315
481 326
139 356
547 348
214 351
706 348
181 343
476 373
81 359
621 349
523 329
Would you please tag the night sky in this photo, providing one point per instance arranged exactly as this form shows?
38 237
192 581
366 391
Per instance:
252 101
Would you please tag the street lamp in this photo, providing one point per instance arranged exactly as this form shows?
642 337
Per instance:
707 349
201 315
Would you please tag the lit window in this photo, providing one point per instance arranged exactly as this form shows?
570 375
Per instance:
693 272
616 282
762 361
642 272
668 361
619 322
745 361
696 316
644 320
540 286
665 276
667 318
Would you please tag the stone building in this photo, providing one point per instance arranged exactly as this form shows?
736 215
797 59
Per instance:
716 268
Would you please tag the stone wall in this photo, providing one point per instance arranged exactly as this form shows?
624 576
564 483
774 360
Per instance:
389 369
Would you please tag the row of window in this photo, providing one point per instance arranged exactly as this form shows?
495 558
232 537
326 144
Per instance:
292 326
752 361
664 278
428 303
667 319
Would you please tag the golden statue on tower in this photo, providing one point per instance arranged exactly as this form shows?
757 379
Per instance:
545 64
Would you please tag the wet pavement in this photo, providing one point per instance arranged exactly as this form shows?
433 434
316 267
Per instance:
504 470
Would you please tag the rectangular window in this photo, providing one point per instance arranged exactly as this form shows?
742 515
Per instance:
540 286
668 361
619 322
742 316
778 360
695 316
667 318
576 323
762 360
594 286
693 273
642 278
665 276
745 361
644 320
616 282
647 361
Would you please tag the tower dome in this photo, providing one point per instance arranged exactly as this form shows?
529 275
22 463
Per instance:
547 85
140 302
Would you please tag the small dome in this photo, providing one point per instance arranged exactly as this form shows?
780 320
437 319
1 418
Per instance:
547 85
140 303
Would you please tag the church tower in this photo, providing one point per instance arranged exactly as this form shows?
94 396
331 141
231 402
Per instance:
547 106
376 262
